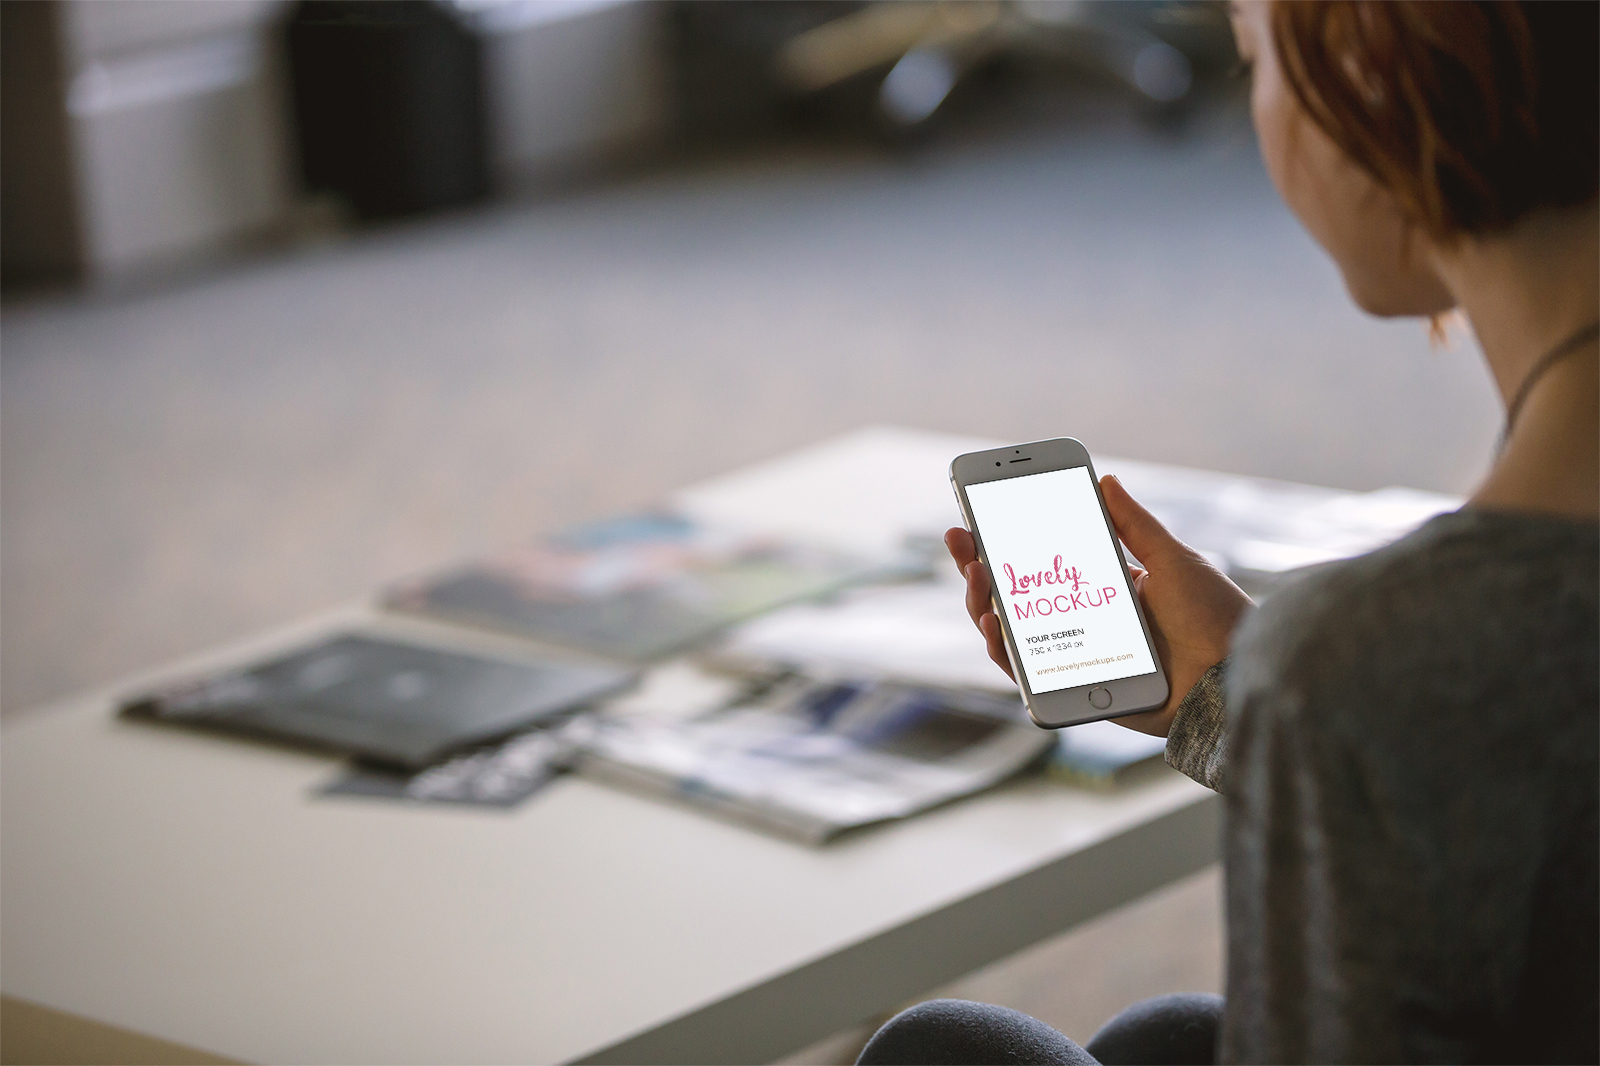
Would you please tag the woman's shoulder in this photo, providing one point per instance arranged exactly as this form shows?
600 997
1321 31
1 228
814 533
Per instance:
1455 558
1471 604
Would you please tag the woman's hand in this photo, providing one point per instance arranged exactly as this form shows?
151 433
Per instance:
1192 607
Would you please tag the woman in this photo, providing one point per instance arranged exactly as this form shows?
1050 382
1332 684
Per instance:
1407 741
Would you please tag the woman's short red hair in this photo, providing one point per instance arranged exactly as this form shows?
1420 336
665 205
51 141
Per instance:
1471 113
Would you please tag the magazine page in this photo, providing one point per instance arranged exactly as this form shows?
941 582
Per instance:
811 759
638 587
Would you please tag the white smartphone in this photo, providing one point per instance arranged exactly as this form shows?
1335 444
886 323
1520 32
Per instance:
1076 634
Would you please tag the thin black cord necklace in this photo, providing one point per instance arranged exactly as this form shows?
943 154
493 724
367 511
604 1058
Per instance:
1545 362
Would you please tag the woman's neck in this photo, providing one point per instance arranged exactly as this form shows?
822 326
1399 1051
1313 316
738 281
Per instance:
1525 292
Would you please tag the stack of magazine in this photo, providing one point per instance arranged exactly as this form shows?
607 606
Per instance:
833 685
771 746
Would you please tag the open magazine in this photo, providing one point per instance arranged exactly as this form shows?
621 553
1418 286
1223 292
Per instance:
637 587
811 759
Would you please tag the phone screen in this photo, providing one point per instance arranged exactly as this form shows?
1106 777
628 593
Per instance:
1060 580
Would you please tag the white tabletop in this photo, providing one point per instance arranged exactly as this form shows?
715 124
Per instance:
194 889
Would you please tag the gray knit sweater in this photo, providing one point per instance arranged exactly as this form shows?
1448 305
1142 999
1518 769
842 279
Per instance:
1407 745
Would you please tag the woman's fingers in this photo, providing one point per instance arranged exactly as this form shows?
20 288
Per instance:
979 606
959 543
978 602
989 625
962 549
965 553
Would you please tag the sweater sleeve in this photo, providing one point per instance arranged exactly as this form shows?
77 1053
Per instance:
1197 743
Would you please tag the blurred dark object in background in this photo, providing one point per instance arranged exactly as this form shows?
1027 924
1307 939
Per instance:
724 59
892 66
38 217
389 104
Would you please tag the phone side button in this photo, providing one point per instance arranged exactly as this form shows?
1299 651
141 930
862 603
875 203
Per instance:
1099 698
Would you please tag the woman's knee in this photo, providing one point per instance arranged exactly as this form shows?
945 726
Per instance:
1176 1030
959 1031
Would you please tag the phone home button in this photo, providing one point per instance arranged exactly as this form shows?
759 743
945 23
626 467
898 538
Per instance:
1099 698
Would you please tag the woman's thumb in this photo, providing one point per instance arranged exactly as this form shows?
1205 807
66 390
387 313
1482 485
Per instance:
1140 530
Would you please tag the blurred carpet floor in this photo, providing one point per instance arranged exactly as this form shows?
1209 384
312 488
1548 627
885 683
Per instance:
187 462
